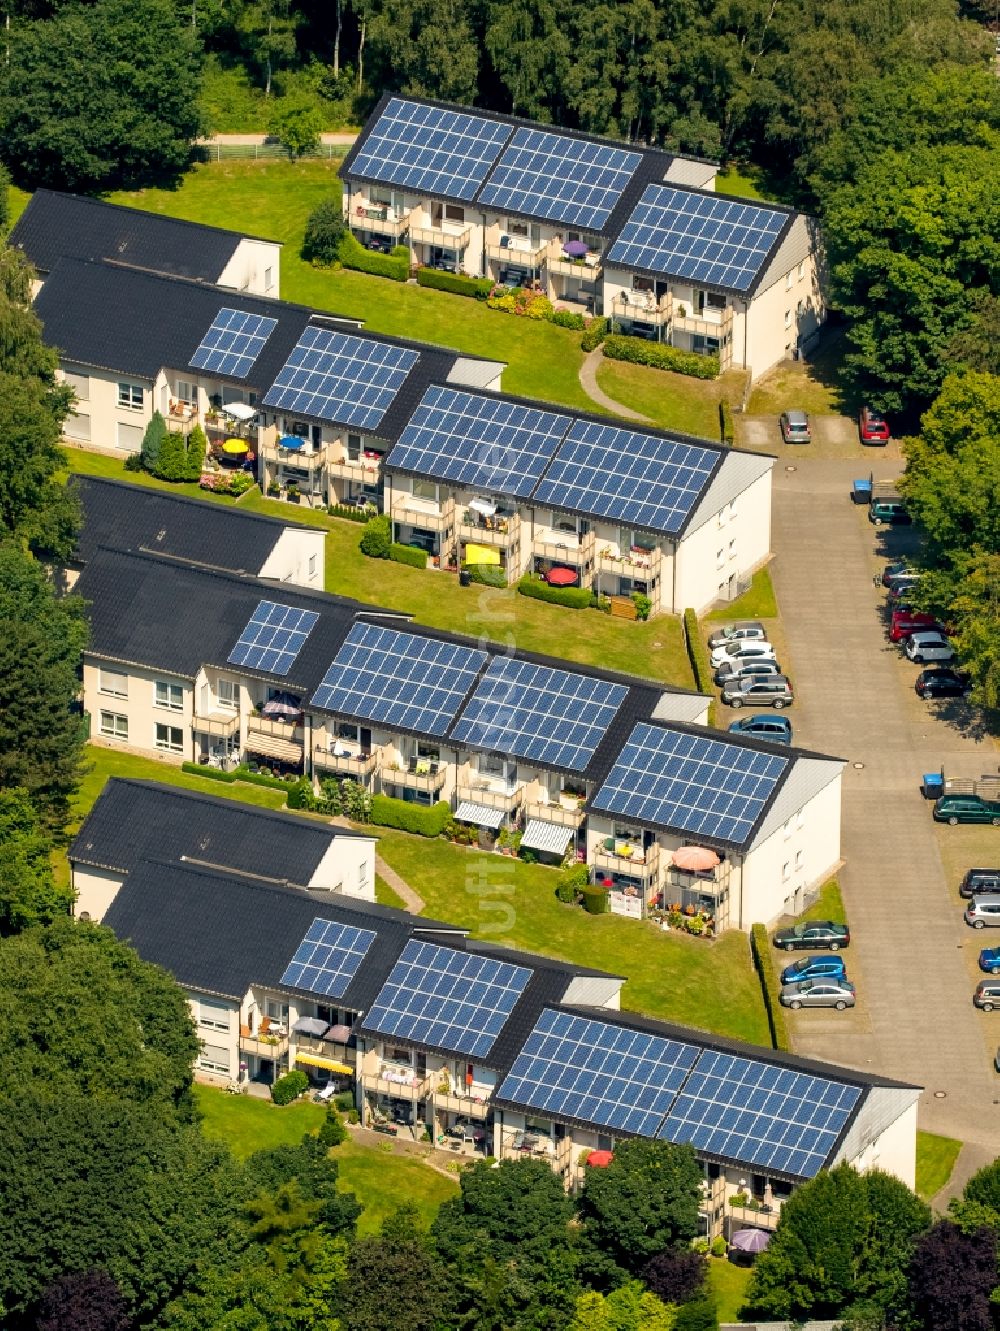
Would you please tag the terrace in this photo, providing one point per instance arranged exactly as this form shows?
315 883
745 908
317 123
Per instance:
380 219
425 514
344 761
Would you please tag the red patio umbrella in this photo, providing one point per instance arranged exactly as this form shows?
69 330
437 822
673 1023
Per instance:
561 577
695 858
600 1159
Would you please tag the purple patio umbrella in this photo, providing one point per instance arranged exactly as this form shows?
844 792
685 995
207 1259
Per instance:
576 249
750 1240
281 707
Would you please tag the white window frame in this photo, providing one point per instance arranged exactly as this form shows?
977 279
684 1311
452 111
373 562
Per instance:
788 318
113 725
788 280
187 392
268 279
209 1064
799 854
802 270
167 744
312 566
720 558
213 1023
168 703
232 703
112 683
786 871
127 393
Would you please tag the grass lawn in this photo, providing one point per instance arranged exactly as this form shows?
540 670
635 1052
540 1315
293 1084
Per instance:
671 401
246 1124
740 180
829 905
818 385
757 603
728 1283
385 896
936 1158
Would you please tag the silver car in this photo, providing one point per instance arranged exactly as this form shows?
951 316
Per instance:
983 913
757 691
728 672
740 632
795 427
828 992
928 645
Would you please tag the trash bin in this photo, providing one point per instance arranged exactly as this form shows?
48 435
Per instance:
464 578
933 785
861 491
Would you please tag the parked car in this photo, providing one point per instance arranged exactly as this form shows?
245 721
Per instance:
814 968
750 628
979 883
987 995
904 622
729 671
742 651
813 934
955 809
873 426
778 729
795 427
989 960
929 645
819 993
888 513
983 913
942 683
754 691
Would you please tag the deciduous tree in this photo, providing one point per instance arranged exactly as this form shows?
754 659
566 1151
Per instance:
29 893
952 1276
82 1301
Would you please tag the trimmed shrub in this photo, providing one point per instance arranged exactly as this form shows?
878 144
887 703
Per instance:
719 1246
638 351
520 301
344 1101
761 953
568 319
727 428
289 1087
152 442
459 284
349 512
333 1132
572 882
594 334
324 232
376 539
595 900
488 574
643 604
408 554
211 773
576 598
418 818
300 795
697 653
395 266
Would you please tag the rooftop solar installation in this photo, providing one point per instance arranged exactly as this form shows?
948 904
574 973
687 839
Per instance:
430 149
399 679
532 711
273 638
601 1073
446 998
639 480
233 343
690 783
762 1115
704 239
338 377
480 442
559 178
327 959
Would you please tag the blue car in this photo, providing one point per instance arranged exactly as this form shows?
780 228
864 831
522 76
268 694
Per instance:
814 968
777 729
989 960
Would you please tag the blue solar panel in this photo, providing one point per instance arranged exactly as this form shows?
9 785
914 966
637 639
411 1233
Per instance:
327 959
480 442
399 679
273 638
690 783
700 238
430 149
574 1067
532 711
639 480
448 999
233 343
764 1116
559 178
338 377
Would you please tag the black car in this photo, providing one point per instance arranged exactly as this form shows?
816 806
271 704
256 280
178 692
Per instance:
979 883
822 934
941 682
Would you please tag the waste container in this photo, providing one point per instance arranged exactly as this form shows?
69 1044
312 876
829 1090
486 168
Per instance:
464 578
861 490
933 785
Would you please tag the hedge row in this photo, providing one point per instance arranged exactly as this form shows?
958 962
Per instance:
237 774
761 951
289 1087
638 351
595 900
406 817
395 265
488 574
576 598
727 428
698 656
348 511
568 319
408 554
460 284
595 334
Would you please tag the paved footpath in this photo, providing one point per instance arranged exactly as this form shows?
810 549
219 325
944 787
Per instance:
918 1023
589 384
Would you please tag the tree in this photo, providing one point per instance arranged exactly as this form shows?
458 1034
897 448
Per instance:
101 96
977 346
152 442
646 1200
333 1132
28 890
297 126
41 739
951 1278
676 1275
265 29
395 1282
4 199
324 231
628 1308
426 48
82 1301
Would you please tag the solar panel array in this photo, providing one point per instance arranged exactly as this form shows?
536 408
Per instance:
766 1116
327 959
447 999
591 1070
430 149
701 238
273 638
558 178
637 479
690 783
338 377
534 712
398 679
233 343
480 442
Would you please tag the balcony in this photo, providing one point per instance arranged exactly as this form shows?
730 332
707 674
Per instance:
281 740
501 530
519 253
503 797
747 1217
563 547
473 1100
365 468
400 1083
380 220
709 322
334 1050
181 416
219 724
444 236
418 774
643 307
307 457
586 269
563 815
360 766
264 1045
625 857
526 1145
424 514
638 562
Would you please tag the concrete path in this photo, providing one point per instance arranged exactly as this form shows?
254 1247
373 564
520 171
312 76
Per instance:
413 903
971 1159
588 382
854 698
256 140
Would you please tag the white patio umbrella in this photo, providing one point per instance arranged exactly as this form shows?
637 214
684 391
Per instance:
239 411
483 506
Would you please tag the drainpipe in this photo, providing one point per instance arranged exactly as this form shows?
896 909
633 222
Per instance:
675 545
746 323
482 250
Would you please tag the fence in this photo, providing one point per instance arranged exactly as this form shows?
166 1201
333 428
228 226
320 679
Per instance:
270 151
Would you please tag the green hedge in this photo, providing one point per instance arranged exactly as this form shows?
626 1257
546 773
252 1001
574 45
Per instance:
406 817
289 1087
595 900
377 537
596 332
727 428
638 351
459 284
488 574
761 952
408 554
701 666
395 265
237 774
348 511
576 598
568 319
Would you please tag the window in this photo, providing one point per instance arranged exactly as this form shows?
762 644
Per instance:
802 270
720 558
454 213
170 738
800 818
788 318
787 829
129 437
353 448
112 682
232 395
786 871
798 859
214 1058
363 875
715 300
277 1011
114 726
170 696
228 693
425 490
130 396
347 730
80 384
213 1015
732 549
312 566
186 392
800 308
268 279
77 427
788 280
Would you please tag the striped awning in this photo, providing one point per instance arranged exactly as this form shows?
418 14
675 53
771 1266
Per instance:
478 814
548 837
273 747
331 1064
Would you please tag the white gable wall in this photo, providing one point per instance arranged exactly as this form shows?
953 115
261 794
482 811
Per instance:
95 890
255 266
347 866
297 557
714 557
800 854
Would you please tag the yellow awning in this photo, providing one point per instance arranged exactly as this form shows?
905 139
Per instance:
481 554
316 1061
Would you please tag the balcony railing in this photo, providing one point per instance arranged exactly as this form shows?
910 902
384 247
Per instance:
427 518
563 549
587 269
379 221
265 725
639 864
643 307
517 255
641 564
504 800
709 323
447 236
360 766
222 724
749 1218
365 468
413 779
332 1049
554 813
388 1081
264 1046
297 457
456 1101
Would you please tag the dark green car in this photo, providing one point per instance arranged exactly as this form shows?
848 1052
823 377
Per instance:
822 935
955 809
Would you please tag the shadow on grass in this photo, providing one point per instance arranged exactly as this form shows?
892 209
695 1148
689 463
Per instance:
826 365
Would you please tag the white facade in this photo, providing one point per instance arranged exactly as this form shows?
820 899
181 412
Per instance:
255 267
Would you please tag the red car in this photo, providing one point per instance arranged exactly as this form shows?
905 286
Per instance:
872 426
905 622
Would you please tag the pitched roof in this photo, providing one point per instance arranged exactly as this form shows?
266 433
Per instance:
58 226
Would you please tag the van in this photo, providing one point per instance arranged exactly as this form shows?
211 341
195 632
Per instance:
888 512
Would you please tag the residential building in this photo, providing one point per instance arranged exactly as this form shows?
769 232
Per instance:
58 226
618 229
608 769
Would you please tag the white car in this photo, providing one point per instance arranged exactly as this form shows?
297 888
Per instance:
929 646
742 651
